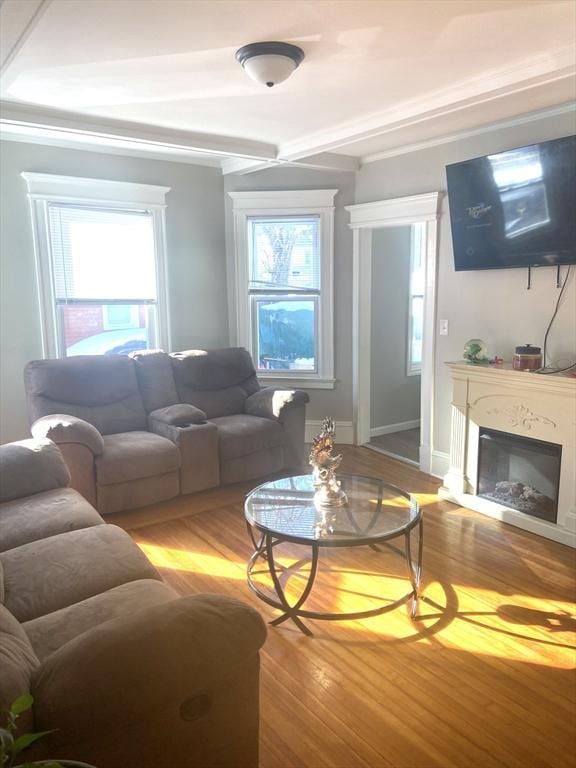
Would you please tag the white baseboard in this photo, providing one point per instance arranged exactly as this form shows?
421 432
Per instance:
390 428
440 463
344 431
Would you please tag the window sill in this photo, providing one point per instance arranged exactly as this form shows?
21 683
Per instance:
295 382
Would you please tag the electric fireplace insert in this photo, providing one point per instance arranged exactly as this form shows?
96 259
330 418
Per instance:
519 472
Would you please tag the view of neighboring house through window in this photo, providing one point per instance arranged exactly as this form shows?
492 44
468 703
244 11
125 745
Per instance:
416 301
104 278
284 290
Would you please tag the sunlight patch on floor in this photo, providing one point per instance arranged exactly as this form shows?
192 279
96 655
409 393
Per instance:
195 562
456 616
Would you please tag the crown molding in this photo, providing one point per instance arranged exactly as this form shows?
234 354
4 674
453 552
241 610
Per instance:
112 147
404 149
534 72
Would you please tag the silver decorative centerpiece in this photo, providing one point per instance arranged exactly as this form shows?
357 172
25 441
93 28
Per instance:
328 491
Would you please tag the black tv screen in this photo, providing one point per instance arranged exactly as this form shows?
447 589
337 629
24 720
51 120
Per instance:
515 208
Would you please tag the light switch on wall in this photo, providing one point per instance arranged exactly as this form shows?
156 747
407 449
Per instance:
443 327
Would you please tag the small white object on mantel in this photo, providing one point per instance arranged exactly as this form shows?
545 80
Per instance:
526 404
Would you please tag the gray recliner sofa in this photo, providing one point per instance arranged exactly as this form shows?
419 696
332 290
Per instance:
124 672
142 429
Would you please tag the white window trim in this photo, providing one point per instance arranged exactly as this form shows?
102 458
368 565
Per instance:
417 235
48 188
316 202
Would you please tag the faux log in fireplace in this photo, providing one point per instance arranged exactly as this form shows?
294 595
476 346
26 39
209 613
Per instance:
519 472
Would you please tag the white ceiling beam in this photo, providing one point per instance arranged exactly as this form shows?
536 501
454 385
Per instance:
534 72
325 161
17 22
242 166
70 126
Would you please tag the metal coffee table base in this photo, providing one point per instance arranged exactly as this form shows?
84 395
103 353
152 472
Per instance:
264 550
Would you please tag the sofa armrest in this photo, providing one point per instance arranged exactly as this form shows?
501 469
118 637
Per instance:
171 685
198 444
62 428
31 466
272 403
180 415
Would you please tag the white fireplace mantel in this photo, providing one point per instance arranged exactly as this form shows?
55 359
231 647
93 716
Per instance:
532 405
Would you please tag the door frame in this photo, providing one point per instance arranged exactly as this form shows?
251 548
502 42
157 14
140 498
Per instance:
364 218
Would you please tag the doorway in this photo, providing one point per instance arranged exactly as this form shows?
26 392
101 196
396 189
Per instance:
397 299
366 220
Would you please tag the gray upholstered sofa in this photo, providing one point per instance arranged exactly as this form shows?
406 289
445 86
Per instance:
128 673
142 429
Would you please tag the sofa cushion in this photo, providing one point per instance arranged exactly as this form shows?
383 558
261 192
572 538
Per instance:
101 389
44 514
44 576
134 455
17 662
31 466
242 434
48 633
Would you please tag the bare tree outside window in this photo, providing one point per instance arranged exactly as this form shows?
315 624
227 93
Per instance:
278 253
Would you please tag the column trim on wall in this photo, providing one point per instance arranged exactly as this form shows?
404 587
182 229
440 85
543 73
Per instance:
364 218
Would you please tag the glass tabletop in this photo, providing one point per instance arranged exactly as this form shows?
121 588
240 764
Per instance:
375 511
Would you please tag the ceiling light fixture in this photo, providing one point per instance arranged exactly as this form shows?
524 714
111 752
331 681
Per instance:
269 63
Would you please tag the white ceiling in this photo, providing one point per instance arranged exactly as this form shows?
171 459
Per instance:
160 75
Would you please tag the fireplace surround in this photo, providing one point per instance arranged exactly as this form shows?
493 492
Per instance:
513 448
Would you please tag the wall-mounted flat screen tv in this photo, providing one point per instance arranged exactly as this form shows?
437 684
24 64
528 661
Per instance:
515 208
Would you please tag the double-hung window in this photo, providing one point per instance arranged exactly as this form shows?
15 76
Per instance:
101 265
284 284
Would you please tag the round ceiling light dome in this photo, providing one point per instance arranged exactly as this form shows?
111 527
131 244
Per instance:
269 63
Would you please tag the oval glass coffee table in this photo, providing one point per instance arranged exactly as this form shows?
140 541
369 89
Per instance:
284 511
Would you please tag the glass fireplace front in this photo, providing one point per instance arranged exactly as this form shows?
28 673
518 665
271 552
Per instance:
519 472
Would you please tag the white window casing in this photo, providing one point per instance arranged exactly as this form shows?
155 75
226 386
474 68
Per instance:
47 189
292 203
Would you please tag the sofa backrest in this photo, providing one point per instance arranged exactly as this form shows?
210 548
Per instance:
217 381
155 379
100 389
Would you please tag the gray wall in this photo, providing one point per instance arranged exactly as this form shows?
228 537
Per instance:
196 256
492 305
394 396
336 403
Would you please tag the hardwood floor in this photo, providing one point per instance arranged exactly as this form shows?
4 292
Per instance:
405 443
483 676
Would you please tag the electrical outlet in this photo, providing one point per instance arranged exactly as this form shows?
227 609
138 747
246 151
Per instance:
443 327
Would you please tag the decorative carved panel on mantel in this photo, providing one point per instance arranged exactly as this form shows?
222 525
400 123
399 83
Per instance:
521 416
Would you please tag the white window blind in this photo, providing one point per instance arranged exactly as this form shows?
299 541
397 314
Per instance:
100 254
285 254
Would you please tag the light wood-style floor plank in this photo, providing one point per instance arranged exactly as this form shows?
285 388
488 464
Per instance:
482 678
